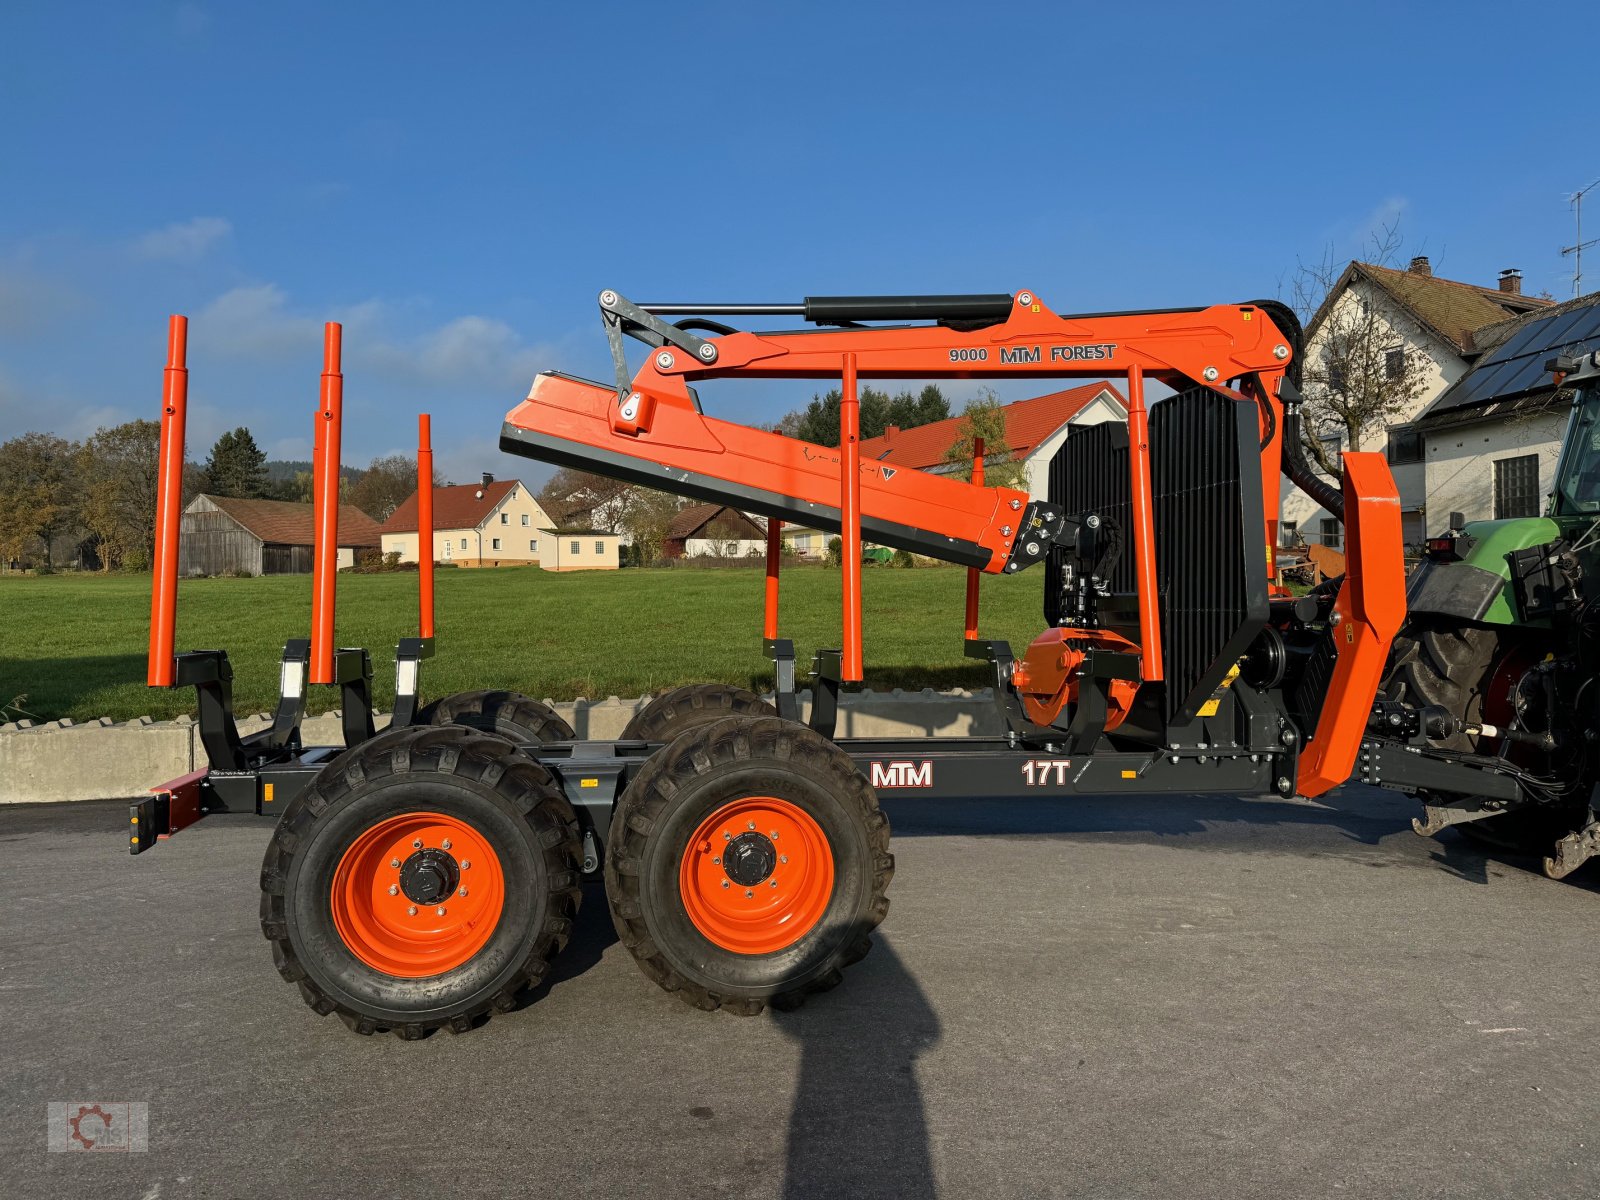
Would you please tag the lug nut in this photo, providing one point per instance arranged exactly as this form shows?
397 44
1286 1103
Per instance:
726 836
783 858
462 892
774 835
445 845
412 911
748 894
716 860
750 825
439 910
395 863
393 891
724 883
773 883
416 843
465 865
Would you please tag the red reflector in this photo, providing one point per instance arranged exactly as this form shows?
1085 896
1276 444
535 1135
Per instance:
1448 545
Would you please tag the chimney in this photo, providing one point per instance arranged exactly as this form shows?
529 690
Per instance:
1420 265
889 432
487 479
1511 281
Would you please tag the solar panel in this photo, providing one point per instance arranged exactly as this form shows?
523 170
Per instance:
1518 364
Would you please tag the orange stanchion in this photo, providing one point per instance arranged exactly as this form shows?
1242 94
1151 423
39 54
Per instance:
973 574
1144 536
325 561
774 554
850 519
424 527
169 505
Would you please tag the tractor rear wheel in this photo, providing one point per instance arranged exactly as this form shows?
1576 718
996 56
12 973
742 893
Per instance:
1459 667
685 708
748 864
421 882
526 721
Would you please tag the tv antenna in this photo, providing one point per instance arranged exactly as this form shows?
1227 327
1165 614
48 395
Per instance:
1579 245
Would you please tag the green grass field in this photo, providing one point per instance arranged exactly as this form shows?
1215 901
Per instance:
75 645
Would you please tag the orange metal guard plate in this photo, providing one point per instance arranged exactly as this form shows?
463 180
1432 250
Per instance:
1367 614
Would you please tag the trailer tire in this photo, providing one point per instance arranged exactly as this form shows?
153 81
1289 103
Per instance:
526 721
344 937
684 708
674 902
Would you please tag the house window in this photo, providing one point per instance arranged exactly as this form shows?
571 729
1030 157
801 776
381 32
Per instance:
533 545
447 550
1516 487
505 518
575 548
599 547
495 543
1288 531
1330 447
1336 374
1332 536
1394 364
463 543
1405 445
525 521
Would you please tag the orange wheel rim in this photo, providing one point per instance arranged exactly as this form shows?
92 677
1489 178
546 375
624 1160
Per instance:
417 894
757 875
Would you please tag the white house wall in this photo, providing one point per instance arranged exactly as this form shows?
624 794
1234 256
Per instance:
1442 365
1460 462
723 547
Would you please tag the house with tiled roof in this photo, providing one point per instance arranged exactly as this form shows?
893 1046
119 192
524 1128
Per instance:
714 531
1035 430
1433 330
1491 440
229 535
493 523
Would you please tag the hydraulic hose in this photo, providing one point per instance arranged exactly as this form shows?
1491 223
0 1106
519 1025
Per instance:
1295 463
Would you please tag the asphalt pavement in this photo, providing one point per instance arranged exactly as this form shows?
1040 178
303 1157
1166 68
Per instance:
1185 997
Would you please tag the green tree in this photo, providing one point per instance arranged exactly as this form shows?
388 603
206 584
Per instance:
119 470
985 418
38 492
646 516
237 466
818 422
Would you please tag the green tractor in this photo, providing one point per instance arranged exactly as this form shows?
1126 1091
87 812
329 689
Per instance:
1499 661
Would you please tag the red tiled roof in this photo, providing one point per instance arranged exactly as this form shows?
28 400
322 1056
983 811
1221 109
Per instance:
455 507
693 519
284 523
1028 424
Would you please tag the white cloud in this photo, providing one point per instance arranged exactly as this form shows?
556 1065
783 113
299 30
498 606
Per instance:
183 240
470 351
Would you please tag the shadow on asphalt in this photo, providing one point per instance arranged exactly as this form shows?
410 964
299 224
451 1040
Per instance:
859 1126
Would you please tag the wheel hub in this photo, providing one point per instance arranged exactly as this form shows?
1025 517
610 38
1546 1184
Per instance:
749 859
429 876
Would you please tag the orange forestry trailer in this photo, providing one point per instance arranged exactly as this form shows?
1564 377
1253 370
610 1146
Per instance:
421 877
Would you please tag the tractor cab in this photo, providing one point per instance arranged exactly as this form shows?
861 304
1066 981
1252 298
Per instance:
1577 492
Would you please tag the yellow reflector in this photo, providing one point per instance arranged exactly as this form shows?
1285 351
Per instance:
588 783
266 792
1130 774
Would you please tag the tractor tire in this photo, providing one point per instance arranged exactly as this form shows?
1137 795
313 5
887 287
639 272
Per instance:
741 933
386 932
685 708
1437 661
1434 662
524 720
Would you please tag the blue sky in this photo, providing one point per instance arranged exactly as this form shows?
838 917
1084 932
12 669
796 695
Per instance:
456 182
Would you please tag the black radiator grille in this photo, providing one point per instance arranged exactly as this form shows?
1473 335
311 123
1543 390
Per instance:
1210 542
1090 473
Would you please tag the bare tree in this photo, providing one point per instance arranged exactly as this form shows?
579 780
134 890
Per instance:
1359 374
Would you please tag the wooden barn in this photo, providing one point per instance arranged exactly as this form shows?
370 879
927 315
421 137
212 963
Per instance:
263 537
